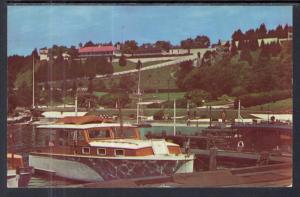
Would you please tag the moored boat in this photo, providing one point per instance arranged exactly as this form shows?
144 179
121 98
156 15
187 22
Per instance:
17 174
90 149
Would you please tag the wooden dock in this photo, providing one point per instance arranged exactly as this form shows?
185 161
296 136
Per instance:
242 155
276 175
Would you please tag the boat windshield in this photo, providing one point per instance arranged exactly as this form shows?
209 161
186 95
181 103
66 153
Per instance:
127 132
104 133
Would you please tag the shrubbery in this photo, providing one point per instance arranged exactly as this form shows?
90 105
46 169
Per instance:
159 115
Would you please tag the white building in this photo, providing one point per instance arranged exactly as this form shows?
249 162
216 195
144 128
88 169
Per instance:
66 56
44 54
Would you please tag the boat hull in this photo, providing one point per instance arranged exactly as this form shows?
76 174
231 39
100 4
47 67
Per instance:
90 169
19 179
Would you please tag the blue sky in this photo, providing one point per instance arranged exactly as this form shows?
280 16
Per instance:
32 27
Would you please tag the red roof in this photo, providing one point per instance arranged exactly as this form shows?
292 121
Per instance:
97 49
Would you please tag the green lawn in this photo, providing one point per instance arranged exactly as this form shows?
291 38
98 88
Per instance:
99 94
118 68
158 78
282 105
130 65
221 101
164 96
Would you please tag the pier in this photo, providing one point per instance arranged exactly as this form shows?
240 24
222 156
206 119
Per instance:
257 176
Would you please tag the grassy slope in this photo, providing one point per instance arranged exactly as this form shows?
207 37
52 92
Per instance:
130 65
25 75
158 78
282 105
164 96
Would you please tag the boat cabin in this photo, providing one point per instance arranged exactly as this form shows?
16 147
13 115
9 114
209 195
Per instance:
101 139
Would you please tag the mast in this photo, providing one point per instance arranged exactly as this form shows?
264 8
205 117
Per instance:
174 130
239 112
76 108
121 117
139 95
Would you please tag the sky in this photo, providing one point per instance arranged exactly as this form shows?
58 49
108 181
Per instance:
40 26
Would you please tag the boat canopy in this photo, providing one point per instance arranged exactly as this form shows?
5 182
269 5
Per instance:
83 126
84 122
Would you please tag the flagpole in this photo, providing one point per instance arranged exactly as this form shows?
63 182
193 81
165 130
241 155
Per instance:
33 105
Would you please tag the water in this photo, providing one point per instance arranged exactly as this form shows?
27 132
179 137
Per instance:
27 137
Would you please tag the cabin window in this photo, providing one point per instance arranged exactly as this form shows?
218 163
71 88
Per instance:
86 150
80 136
119 152
62 137
101 151
99 134
127 133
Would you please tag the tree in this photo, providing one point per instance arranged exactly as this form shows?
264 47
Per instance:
275 48
24 95
122 60
279 32
246 56
127 83
197 96
73 52
159 115
90 67
114 96
91 86
89 44
12 101
202 41
187 44
238 35
286 30
98 65
206 59
265 53
253 44
184 69
233 50
130 45
163 45
138 65
262 31
100 86
262 44
242 44
250 35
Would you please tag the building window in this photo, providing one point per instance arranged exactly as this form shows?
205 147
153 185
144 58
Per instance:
101 151
119 152
86 150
